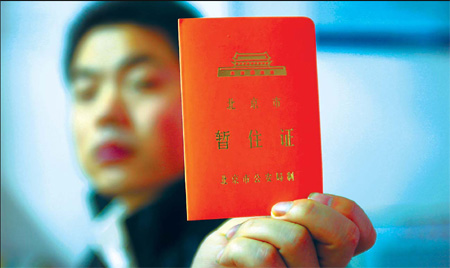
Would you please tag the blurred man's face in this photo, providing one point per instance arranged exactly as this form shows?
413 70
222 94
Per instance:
127 109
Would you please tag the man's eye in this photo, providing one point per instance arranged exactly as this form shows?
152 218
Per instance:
84 89
85 95
144 85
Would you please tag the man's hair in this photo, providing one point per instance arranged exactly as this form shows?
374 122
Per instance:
162 15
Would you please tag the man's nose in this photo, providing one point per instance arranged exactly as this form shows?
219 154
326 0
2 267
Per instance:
113 108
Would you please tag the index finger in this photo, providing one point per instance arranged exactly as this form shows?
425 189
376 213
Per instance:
353 212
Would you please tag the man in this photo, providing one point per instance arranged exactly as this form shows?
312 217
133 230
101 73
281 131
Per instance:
122 67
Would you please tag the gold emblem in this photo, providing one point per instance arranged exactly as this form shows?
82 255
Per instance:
251 64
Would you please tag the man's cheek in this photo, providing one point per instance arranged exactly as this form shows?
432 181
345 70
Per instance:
83 136
78 139
81 127
171 131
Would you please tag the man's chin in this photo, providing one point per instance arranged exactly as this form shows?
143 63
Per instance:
110 182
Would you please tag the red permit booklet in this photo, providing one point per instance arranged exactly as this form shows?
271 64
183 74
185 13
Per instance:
250 114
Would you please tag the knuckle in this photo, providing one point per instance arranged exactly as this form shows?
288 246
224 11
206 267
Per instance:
236 245
367 242
267 254
300 237
304 207
247 225
232 253
347 208
212 236
297 240
352 236
372 237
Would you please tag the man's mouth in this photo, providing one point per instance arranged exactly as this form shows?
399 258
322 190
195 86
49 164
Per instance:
111 153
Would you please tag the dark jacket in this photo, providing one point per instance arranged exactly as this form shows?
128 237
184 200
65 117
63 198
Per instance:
160 235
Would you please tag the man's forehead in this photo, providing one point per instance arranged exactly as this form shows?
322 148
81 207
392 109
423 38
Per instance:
83 70
114 46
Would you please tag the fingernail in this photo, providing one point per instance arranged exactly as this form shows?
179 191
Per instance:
219 255
321 198
281 209
232 231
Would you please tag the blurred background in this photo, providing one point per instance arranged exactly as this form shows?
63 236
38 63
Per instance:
383 70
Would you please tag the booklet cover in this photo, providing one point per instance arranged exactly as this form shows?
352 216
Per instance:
250 114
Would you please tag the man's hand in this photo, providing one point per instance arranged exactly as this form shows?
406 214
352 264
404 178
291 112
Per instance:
323 230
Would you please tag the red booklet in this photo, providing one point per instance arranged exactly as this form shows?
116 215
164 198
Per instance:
250 114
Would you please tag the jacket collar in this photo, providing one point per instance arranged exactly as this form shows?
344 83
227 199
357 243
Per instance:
174 191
